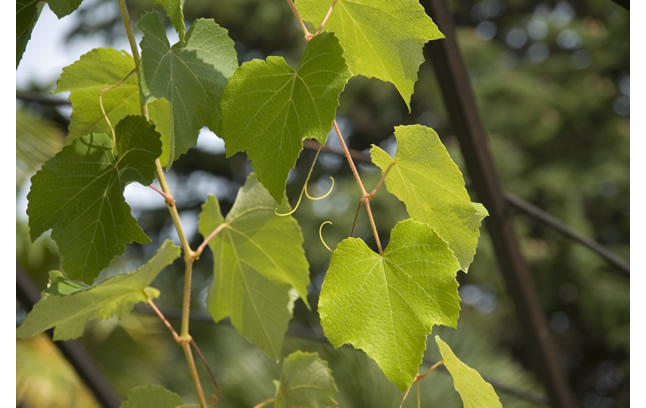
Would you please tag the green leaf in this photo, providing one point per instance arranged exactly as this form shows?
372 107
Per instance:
387 305
190 75
99 69
269 109
69 314
79 195
380 38
473 389
259 265
431 185
63 7
152 396
27 13
174 11
305 382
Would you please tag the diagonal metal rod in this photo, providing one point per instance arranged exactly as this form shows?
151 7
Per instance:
620 266
28 295
458 96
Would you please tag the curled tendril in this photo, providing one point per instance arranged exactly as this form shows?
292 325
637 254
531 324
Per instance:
304 189
324 195
321 234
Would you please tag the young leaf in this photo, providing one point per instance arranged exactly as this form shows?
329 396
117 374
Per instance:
79 195
269 109
69 314
474 391
152 396
380 38
305 382
190 75
174 11
387 305
63 7
259 263
27 13
431 185
99 69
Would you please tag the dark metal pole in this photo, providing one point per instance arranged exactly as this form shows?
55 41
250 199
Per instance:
28 295
460 102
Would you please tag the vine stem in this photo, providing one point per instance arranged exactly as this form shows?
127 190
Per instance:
163 319
329 12
266 402
365 197
306 32
215 232
189 255
418 378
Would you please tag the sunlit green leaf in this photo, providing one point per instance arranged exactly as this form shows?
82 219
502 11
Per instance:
79 195
269 108
99 69
259 265
431 185
68 314
474 391
190 75
380 38
305 382
387 305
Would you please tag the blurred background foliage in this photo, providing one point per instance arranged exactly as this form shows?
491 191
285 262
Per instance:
552 82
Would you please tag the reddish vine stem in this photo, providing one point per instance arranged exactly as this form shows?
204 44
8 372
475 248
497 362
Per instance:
203 245
329 12
418 378
163 319
263 403
365 197
208 369
349 157
356 215
306 32
169 199
381 181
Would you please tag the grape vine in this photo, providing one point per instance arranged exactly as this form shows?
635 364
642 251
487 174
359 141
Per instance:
134 114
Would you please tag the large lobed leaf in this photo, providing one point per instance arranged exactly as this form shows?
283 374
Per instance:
473 389
269 108
259 263
190 75
152 396
306 382
380 38
431 185
79 195
99 69
70 309
387 305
